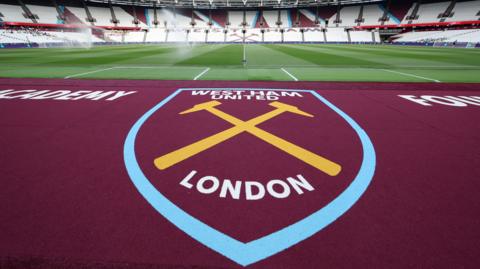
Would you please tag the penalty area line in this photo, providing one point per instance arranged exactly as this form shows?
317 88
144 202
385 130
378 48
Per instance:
201 74
91 72
286 72
411 75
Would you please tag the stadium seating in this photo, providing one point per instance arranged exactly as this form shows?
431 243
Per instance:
216 35
279 25
45 14
203 20
466 11
362 15
271 18
430 12
79 13
470 36
286 19
8 39
234 35
124 18
41 37
81 37
313 35
115 36
197 35
363 36
156 35
29 36
272 35
292 35
336 35
12 37
236 18
373 13
176 35
467 36
13 13
102 16
170 19
150 17
325 13
253 35
348 16
311 17
399 9
134 36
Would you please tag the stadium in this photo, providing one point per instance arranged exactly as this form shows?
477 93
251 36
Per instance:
239 134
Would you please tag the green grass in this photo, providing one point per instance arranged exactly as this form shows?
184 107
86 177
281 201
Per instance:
264 62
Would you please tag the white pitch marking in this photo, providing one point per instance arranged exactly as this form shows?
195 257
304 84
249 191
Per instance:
136 67
411 75
201 74
86 73
294 78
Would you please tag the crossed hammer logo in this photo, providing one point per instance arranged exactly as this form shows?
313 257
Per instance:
250 127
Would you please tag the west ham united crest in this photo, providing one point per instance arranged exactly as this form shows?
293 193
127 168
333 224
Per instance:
249 172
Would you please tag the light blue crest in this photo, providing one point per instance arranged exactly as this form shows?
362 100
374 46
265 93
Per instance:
268 245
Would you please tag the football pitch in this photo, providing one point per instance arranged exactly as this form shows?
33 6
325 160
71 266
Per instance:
285 62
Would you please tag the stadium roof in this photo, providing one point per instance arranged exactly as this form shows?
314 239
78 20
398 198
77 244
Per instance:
202 4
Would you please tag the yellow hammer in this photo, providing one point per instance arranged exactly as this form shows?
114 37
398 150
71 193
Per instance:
240 126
